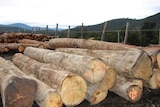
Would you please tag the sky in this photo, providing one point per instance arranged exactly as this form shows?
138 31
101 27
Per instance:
73 12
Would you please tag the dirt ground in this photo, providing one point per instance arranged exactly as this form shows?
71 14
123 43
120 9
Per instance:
150 98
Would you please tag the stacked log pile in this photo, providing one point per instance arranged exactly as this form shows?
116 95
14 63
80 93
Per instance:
72 70
14 37
19 41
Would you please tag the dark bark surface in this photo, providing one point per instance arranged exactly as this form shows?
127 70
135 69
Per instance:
150 98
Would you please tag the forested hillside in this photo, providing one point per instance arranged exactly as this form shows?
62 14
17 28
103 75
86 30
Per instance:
116 24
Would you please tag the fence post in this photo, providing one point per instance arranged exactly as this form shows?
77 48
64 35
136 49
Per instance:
46 29
118 36
159 35
82 31
68 32
36 29
139 33
126 33
56 32
104 30
39 29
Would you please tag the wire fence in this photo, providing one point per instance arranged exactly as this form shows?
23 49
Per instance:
136 37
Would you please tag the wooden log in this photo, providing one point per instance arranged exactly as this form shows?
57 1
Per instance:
87 44
29 41
6 47
16 90
95 94
71 87
131 63
158 59
90 68
45 95
153 52
154 81
98 92
130 89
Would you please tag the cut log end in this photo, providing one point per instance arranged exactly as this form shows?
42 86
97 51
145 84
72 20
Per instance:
158 60
20 93
73 91
134 93
96 71
154 82
21 48
97 97
109 78
53 100
143 68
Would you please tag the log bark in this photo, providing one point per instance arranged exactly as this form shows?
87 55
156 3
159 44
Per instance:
16 90
92 69
130 89
71 87
87 44
98 92
154 82
131 63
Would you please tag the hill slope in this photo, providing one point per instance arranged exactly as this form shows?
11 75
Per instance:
119 23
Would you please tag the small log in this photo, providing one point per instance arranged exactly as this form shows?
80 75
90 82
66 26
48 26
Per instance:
71 87
46 96
98 92
158 59
153 52
131 63
130 89
16 90
29 41
91 68
154 82
95 94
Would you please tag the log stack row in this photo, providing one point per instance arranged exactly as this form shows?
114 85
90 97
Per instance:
19 41
73 70
14 37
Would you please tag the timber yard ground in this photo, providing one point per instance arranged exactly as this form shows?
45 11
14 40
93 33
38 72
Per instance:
150 98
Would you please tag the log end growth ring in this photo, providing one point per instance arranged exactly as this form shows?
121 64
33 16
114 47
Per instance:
96 71
135 93
98 97
53 100
73 91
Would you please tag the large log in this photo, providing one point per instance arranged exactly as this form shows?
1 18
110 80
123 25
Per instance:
131 63
98 92
92 69
130 89
87 44
71 87
45 95
16 90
